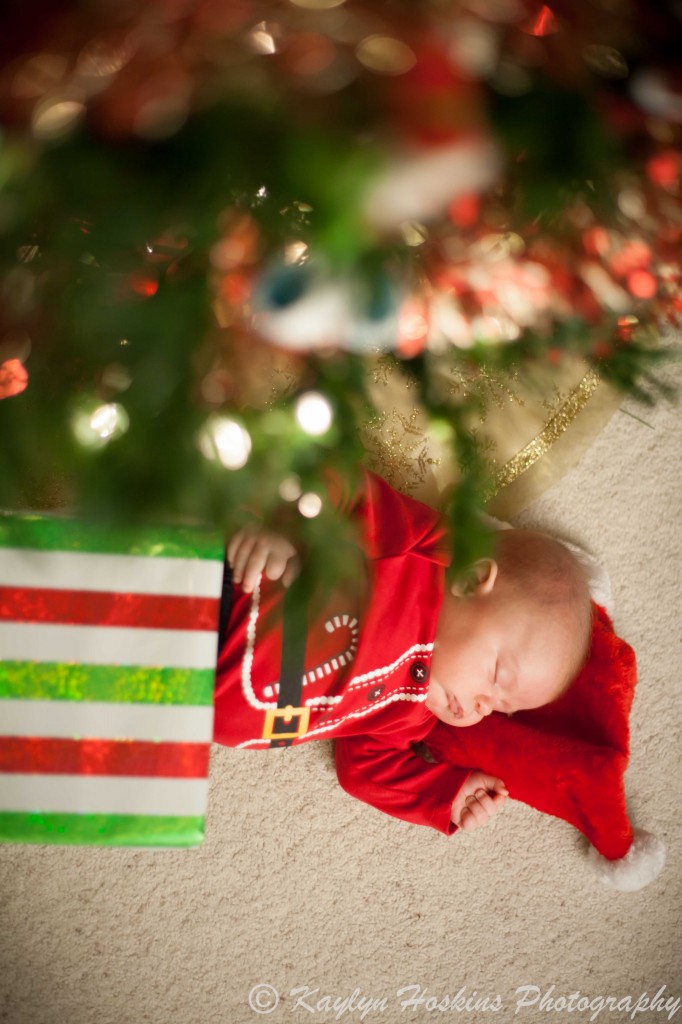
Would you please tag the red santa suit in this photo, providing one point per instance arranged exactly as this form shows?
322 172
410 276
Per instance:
367 663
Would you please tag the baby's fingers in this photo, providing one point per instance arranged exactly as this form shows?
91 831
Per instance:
259 557
276 564
479 809
239 552
252 552
491 783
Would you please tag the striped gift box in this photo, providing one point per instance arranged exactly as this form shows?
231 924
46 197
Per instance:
107 664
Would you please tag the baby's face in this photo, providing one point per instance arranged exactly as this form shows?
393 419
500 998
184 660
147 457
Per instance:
495 654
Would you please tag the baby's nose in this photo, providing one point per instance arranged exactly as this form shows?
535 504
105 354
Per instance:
483 705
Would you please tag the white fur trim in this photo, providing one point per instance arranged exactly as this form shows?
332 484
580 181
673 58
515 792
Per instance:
641 864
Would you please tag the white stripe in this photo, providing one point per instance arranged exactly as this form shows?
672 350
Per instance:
103 794
74 719
108 645
120 574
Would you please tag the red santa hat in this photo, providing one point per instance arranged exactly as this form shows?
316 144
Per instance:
568 758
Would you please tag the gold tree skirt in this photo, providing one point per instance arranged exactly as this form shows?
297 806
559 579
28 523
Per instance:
534 427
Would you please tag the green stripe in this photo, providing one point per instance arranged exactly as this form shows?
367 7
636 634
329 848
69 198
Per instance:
53 533
52 680
100 829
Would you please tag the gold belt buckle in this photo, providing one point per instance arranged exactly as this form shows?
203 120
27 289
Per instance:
286 715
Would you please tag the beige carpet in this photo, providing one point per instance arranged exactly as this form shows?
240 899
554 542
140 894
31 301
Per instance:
298 886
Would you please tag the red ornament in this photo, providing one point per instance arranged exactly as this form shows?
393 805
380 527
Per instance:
665 168
465 211
13 378
544 23
143 286
642 284
633 255
597 241
625 328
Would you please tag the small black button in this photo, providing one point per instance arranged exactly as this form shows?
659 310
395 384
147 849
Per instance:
376 692
419 671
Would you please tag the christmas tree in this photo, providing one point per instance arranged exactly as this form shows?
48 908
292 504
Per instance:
219 218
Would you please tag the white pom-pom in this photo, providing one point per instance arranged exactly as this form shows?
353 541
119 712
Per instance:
641 864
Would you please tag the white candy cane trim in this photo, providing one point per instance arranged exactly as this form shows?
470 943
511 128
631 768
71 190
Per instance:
325 668
343 621
376 675
247 660
381 673
417 697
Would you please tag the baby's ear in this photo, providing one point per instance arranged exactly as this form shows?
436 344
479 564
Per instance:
479 580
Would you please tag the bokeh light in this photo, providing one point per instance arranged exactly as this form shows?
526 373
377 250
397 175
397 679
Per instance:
56 116
314 413
310 505
96 427
226 441
290 488
385 55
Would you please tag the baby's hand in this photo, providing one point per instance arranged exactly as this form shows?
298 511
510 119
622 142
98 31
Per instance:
480 797
254 550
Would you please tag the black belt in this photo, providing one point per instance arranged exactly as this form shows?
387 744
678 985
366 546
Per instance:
225 606
289 720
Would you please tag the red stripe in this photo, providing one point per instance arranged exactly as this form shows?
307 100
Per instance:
91 608
40 755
